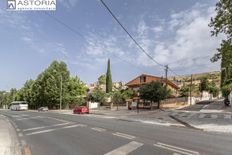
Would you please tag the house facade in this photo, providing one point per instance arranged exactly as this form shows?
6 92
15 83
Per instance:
145 79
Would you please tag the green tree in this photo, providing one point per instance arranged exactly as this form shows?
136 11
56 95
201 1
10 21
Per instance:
117 98
127 94
184 91
46 88
3 98
204 85
222 24
108 78
213 89
102 79
76 91
97 95
154 92
226 90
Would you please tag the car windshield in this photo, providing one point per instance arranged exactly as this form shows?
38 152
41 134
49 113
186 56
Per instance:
116 77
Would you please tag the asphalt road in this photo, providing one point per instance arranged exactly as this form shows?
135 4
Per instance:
200 105
47 133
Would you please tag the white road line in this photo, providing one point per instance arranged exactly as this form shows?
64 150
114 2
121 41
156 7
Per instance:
71 126
29 118
213 116
98 129
50 130
227 116
24 115
176 154
205 106
202 115
57 119
42 127
125 149
176 149
43 131
124 135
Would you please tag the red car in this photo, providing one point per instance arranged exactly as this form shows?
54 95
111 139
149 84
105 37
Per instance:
81 110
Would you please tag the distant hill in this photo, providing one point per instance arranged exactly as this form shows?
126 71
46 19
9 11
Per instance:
186 79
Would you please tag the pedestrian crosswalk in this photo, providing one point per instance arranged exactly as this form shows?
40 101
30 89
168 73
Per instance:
201 115
133 146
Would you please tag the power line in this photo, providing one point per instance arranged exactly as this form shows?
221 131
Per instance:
166 68
79 34
139 46
64 24
82 36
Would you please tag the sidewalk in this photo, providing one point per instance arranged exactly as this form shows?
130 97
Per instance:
9 144
214 117
157 117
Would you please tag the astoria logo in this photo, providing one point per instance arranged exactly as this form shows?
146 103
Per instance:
31 4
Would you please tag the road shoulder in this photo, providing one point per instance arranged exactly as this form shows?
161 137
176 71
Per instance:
9 142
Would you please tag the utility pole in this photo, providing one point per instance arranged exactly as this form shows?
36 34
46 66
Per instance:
166 75
190 93
61 81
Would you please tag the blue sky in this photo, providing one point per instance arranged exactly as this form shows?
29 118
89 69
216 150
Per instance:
173 32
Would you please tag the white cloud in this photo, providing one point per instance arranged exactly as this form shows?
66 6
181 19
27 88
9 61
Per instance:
158 29
190 37
101 46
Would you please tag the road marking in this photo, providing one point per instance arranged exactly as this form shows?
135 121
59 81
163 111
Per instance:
125 149
71 126
176 149
227 116
205 106
29 118
176 154
124 135
43 131
98 129
24 115
50 130
42 127
202 115
57 119
213 116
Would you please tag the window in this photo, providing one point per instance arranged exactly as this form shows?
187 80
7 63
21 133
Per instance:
142 79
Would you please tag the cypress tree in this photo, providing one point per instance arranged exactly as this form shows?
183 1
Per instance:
108 78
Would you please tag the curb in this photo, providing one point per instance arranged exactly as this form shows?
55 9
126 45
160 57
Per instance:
185 123
24 148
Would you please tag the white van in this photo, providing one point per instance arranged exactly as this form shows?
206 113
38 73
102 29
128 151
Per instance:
19 105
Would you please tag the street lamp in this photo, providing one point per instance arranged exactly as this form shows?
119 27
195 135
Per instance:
61 81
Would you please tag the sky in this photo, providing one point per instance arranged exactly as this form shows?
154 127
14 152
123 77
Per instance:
84 35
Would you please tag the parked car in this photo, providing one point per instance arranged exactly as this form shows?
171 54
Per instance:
43 109
81 110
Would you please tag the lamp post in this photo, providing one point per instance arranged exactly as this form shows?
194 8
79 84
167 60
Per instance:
61 81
